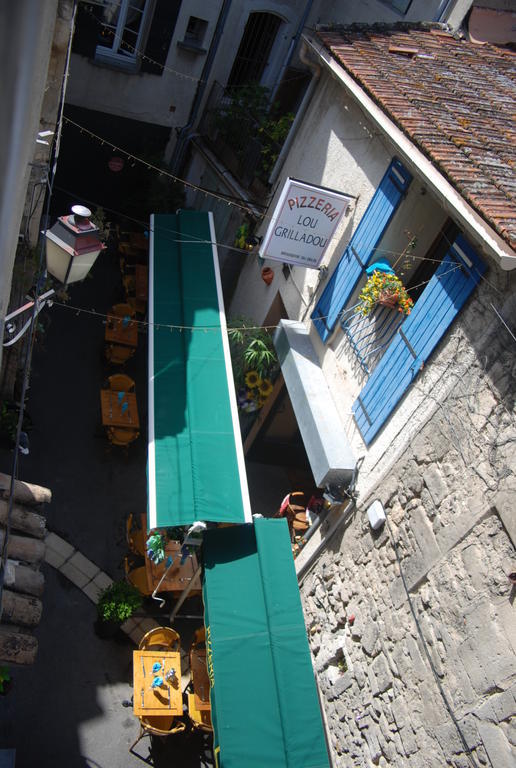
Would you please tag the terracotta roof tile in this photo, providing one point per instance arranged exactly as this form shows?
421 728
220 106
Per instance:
454 99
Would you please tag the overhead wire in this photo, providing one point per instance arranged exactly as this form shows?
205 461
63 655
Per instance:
245 252
204 328
192 239
161 171
248 206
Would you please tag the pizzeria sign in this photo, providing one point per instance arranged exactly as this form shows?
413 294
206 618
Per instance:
303 223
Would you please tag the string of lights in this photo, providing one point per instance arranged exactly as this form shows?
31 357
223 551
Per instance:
205 328
133 159
202 241
265 218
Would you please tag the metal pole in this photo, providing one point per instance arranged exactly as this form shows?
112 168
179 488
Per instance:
184 595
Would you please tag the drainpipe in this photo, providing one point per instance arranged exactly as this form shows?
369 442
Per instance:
291 49
316 71
185 133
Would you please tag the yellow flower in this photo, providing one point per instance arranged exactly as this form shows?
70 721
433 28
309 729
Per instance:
261 401
265 388
252 379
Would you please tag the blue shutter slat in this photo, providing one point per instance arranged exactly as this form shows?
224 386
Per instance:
438 305
365 239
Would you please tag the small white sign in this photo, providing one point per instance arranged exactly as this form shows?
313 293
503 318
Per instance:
303 224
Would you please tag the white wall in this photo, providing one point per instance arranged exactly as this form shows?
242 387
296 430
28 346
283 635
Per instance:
144 96
167 99
334 147
337 147
26 30
148 97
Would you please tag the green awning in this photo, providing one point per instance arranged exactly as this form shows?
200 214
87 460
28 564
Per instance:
196 467
264 703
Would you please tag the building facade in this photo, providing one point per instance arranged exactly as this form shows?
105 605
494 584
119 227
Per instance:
412 625
35 45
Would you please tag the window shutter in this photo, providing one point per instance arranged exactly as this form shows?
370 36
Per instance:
361 248
432 315
160 34
87 31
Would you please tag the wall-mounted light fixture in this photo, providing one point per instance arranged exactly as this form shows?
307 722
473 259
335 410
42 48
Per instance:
73 244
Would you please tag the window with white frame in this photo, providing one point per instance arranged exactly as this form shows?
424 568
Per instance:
124 29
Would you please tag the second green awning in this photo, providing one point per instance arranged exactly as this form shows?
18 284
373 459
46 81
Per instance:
196 467
264 702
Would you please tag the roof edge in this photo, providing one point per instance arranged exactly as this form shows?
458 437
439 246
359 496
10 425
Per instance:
383 26
484 233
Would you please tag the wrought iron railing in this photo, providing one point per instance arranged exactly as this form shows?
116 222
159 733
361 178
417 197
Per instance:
369 336
237 136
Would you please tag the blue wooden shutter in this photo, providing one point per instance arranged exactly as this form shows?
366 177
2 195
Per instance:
361 247
432 315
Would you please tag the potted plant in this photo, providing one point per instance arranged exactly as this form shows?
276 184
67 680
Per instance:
116 604
386 289
255 364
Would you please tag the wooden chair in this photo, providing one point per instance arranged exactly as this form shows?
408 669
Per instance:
139 305
199 636
120 382
129 284
117 355
122 310
201 719
158 725
122 436
135 537
162 638
137 577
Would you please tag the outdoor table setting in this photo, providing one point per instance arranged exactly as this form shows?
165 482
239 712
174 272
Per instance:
121 330
157 683
174 575
119 409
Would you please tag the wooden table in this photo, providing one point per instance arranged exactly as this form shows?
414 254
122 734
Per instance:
156 701
118 333
141 272
179 576
200 679
111 407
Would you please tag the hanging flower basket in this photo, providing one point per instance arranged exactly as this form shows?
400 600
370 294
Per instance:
387 290
388 299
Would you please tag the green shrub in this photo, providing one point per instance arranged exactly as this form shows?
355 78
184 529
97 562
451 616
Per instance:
118 602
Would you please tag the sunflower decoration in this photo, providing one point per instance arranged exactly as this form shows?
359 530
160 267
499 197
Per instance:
252 379
265 388
254 361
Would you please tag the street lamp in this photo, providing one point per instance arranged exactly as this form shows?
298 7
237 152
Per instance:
73 244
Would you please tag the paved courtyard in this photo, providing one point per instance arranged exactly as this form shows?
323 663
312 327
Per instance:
67 710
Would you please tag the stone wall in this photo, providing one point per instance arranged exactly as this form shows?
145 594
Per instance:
421 670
